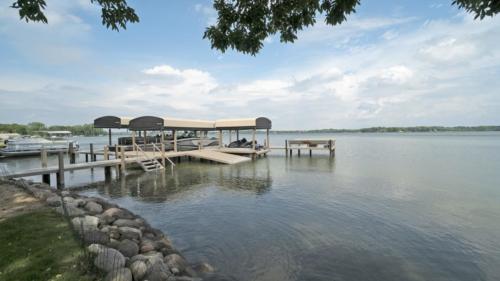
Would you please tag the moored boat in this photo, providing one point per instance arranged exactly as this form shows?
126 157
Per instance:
52 142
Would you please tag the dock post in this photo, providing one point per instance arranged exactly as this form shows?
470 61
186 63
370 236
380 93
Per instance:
253 139
220 138
163 154
60 173
298 152
45 177
92 152
86 157
71 152
122 152
107 169
174 132
267 139
310 152
286 148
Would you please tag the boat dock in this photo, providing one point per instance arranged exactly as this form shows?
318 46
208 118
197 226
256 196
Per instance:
156 153
307 145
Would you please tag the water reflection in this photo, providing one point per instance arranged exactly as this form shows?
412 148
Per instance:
187 178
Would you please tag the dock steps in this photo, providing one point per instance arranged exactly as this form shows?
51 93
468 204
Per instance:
217 156
149 165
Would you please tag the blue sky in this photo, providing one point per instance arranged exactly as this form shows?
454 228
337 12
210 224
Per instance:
393 63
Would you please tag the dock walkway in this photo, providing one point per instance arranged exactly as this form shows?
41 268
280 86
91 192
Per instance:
132 157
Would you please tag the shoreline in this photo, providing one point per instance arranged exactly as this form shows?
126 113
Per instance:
123 245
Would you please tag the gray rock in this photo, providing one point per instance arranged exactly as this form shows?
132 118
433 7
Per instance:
122 274
54 201
138 269
93 208
113 243
175 261
65 193
68 199
116 213
185 278
158 271
85 224
128 248
72 211
95 248
95 236
204 268
147 246
127 222
79 202
130 233
109 259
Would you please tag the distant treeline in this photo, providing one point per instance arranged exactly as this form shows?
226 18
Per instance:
33 127
402 129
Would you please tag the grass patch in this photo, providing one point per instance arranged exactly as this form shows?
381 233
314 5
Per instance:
40 246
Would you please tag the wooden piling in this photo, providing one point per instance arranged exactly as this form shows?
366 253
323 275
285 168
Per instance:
60 173
107 169
286 148
122 152
163 154
43 156
71 152
92 159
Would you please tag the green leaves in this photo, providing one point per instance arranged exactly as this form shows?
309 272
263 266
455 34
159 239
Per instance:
31 10
243 25
116 14
480 8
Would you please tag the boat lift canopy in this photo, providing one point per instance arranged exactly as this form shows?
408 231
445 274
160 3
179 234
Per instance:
241 124
111 122
154 123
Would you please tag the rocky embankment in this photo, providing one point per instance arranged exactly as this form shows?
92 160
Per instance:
123 245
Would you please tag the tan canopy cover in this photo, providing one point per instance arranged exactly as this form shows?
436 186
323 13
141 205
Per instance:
245 123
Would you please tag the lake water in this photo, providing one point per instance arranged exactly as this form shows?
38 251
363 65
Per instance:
387 207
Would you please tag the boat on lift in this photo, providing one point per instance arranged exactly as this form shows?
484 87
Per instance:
50 141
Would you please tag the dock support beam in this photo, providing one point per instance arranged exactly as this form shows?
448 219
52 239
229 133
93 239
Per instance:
71 152
92 156
109 136
174 132
133 140
122 152
107 169
286 148
253 139
60 173
45 177
267 139
220 138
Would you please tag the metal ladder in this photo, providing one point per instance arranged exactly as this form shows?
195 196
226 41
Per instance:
147 164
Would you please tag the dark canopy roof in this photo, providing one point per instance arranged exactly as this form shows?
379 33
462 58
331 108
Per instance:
111 122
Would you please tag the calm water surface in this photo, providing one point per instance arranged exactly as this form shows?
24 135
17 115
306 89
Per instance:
387 207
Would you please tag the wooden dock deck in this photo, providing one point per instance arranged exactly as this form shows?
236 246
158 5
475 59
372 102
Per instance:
131 157
217 156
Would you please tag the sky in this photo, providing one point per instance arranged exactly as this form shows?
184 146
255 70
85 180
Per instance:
393 63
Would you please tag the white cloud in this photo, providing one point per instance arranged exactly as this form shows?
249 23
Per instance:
207 12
